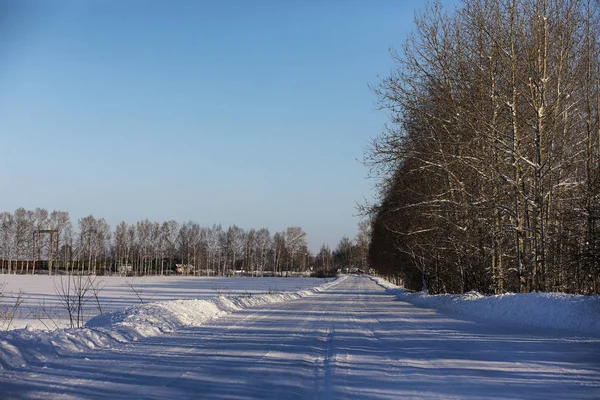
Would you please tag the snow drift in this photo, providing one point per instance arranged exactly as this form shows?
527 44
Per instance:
23 346
554 313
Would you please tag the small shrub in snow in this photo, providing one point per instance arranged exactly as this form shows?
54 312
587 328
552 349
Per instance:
9 306
74 292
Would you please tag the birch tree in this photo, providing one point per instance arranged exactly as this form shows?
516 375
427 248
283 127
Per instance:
488 166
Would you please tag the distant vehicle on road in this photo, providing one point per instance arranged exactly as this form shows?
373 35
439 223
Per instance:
356 271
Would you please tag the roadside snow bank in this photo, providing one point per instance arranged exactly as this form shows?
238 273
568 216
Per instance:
23 346
551 312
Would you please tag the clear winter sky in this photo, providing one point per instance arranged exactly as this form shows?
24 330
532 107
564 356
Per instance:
253 113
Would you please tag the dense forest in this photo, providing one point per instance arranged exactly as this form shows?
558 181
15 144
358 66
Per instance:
490 163
38 241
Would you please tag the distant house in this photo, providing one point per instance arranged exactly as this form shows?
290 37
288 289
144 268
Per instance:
184 269
125 270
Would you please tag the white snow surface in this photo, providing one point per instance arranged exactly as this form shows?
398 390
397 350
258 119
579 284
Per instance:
18 347
352 339
550 312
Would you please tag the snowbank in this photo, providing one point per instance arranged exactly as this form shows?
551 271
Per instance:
23 346
42 308
550 312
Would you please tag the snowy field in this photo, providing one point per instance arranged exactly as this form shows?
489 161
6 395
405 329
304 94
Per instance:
167 314
42 308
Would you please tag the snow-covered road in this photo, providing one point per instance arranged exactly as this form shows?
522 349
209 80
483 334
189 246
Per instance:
353 340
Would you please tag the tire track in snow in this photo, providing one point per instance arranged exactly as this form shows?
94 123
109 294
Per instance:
316 317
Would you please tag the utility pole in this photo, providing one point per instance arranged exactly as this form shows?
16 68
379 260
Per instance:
51 232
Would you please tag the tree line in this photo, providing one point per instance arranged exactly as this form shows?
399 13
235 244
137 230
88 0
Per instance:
490 164
38 241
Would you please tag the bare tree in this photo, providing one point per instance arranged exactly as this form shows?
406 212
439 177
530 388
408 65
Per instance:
7 224
142 248
295 241
488 162
74 292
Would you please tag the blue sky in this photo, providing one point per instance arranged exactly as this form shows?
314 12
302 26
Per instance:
252 113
